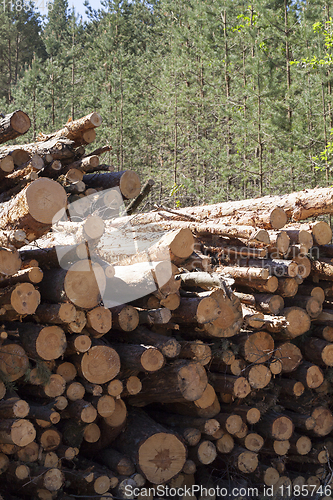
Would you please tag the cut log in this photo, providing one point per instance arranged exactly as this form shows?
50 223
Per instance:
13 125
28 275
17 431
312 290
115 388
55 387
99 365
82 411
229 422
13 408
184 380
266 286
289 355
139 357
127 181
298 206
10 262
296 322
125 317
99 320
44 412
290 387
268 303
74 130
196 350
22 298
287 287
245 273
118 417
160 316
312 306
279 243
318 351
309 374
244 460
324 332
78 344
276 267
219 314
257 347
300 445
259 376
14 363
57 314
323 421
117 462
34 209
203 453
83 284
158 453
168 346
41 342
75 391
276 426
236 386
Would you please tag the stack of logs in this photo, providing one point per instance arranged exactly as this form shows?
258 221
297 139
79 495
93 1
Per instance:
174 347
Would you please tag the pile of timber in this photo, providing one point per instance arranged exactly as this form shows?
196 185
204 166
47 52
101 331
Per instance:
174 347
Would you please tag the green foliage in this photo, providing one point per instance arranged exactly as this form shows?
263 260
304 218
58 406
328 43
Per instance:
214 100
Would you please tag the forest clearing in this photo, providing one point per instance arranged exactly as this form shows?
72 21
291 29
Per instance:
163 348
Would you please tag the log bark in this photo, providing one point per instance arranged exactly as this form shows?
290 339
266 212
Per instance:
184 380
13 125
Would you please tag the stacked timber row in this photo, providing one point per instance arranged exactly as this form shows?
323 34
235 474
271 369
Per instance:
163 348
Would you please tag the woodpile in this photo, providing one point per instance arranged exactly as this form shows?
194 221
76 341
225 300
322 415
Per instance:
173 347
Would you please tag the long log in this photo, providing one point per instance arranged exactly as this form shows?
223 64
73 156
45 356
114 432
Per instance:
297 206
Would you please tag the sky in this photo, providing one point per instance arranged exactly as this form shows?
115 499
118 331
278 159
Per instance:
80 8
78 5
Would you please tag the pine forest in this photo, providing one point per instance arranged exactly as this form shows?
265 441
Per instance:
215 100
